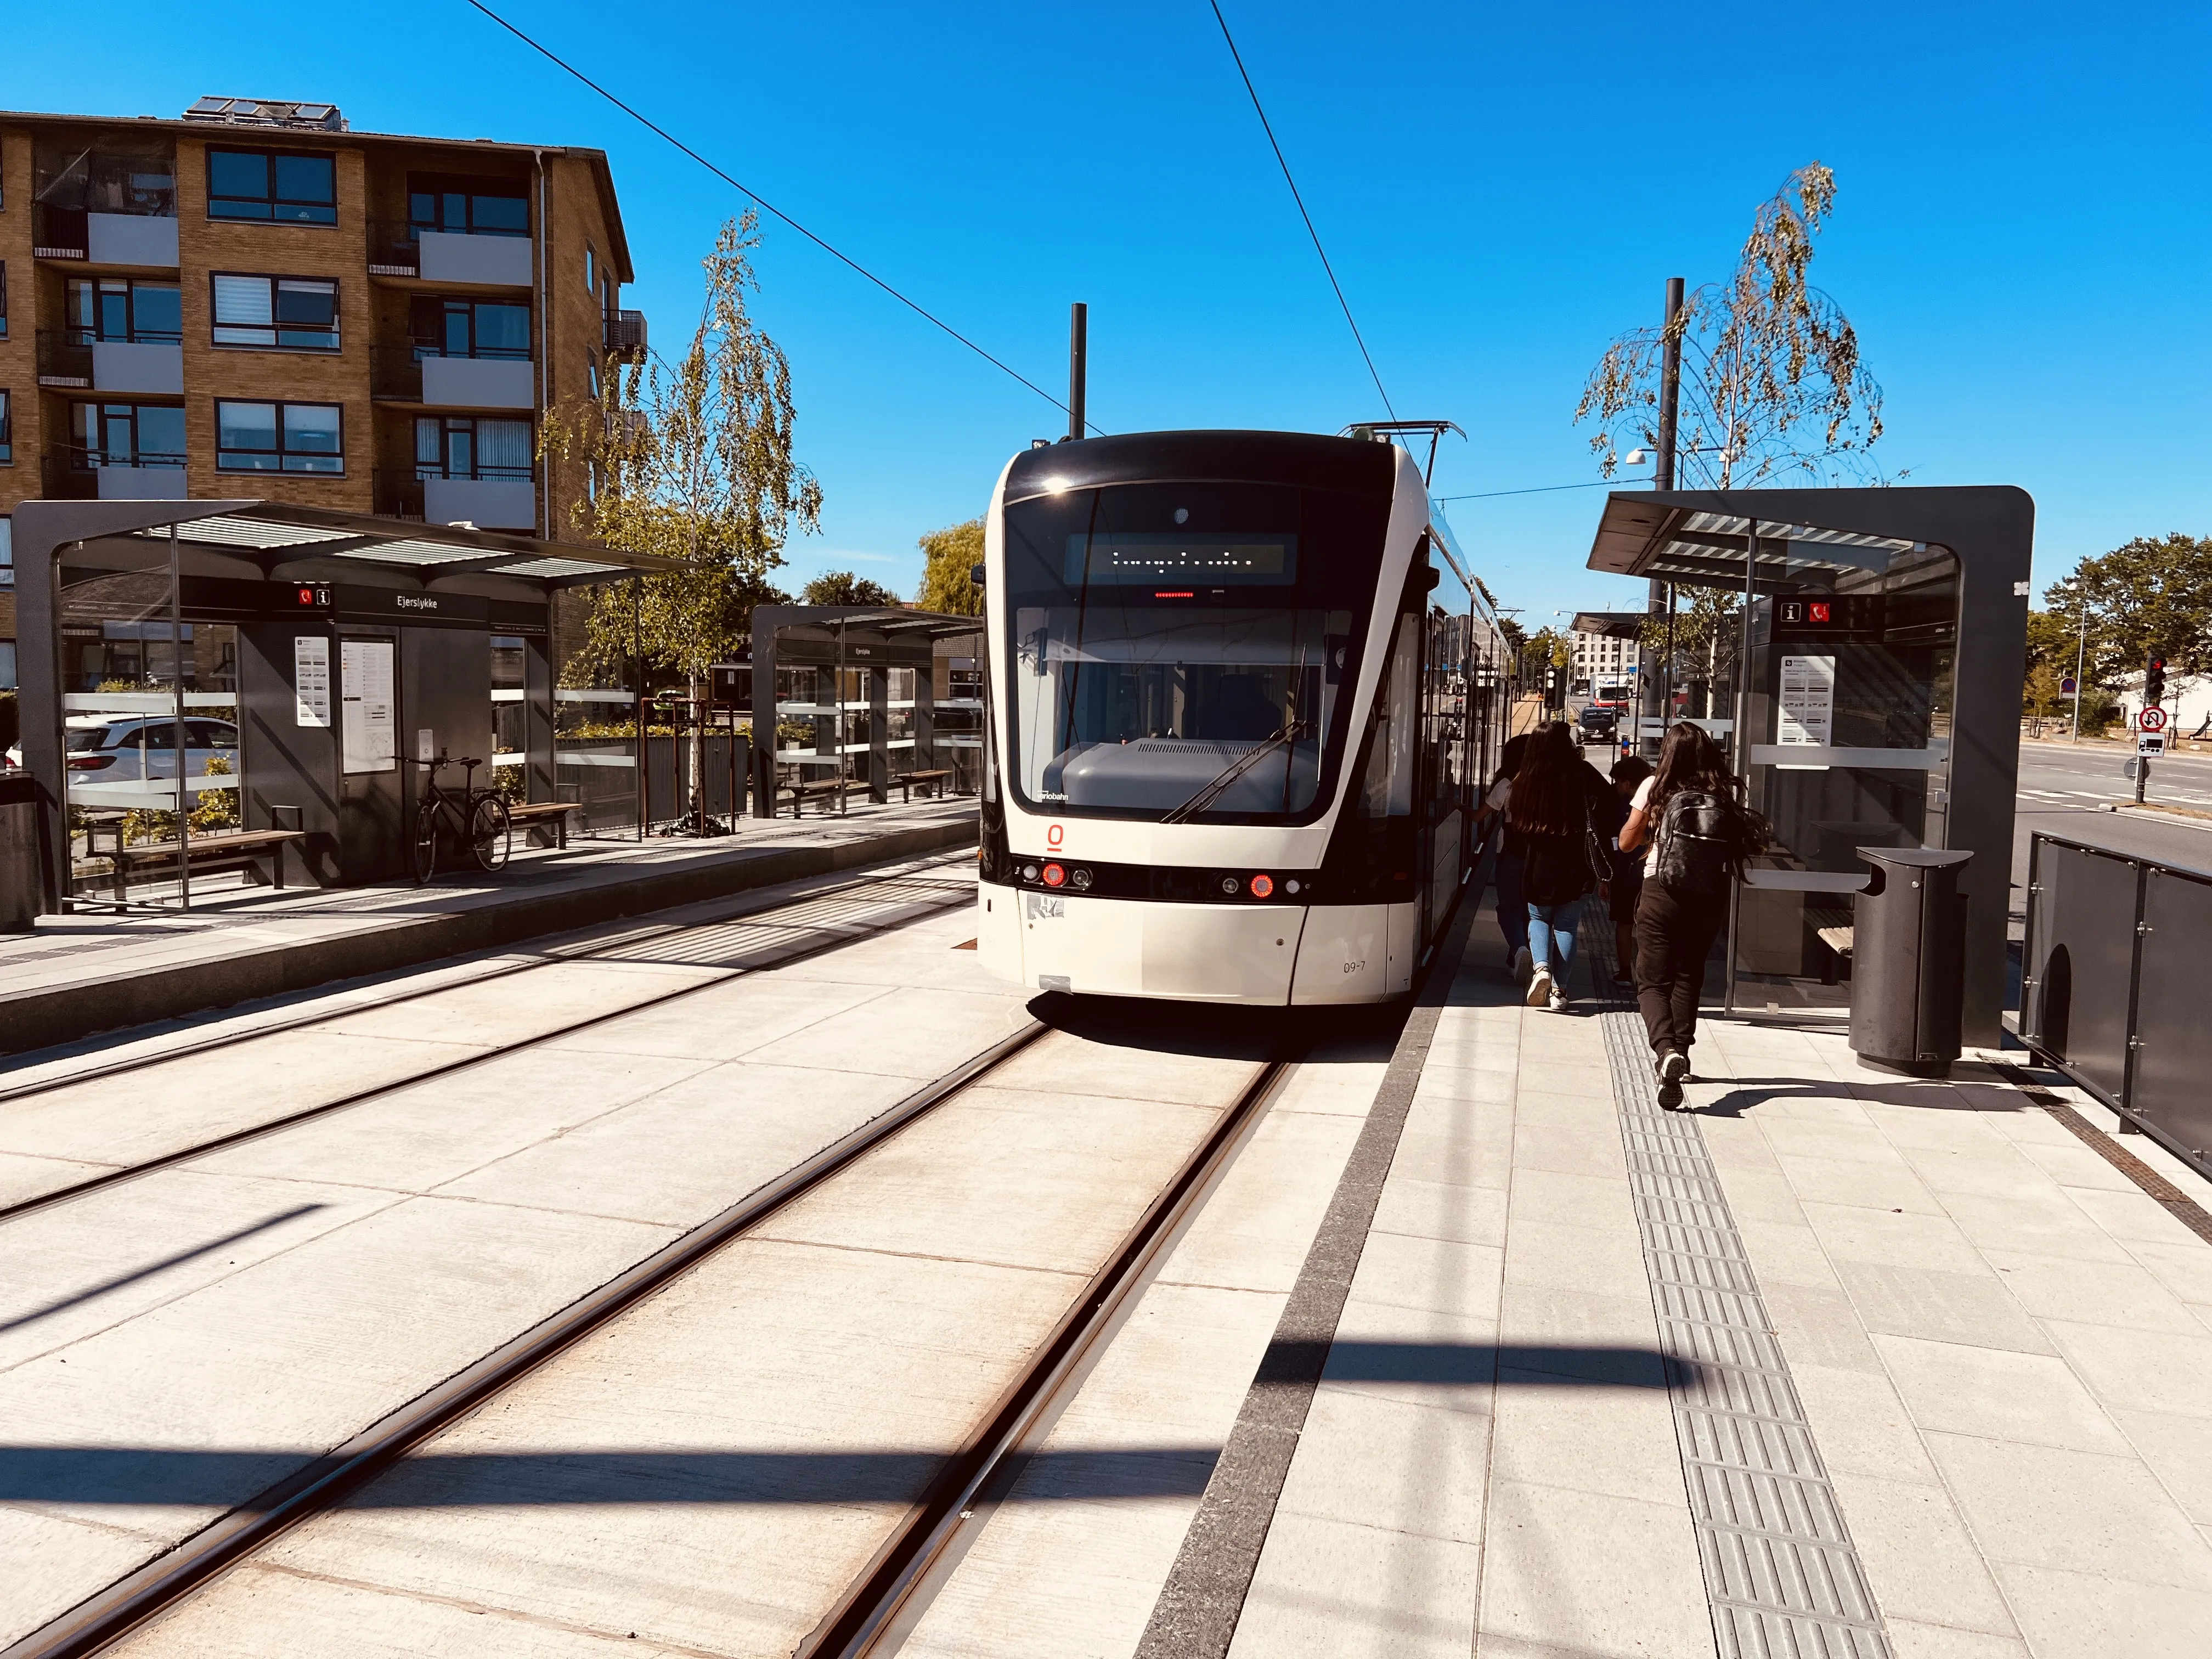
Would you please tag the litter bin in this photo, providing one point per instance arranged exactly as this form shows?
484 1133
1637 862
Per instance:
1908 960
19 853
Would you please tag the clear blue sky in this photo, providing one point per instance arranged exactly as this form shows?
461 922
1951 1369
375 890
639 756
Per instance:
2022 235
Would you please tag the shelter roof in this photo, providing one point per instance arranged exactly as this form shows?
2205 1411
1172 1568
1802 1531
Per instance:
1614 624
1679 536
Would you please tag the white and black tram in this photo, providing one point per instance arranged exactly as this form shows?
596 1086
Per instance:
1243 692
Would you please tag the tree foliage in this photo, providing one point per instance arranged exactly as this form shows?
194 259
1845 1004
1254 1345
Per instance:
2149 596
1771 382
692 462
949 555
843 588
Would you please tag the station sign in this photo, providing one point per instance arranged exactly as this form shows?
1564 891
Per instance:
1830 617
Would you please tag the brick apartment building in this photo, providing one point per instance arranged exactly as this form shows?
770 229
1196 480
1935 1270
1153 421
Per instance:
255 301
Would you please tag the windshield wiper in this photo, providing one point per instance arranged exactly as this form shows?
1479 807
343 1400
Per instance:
1236 770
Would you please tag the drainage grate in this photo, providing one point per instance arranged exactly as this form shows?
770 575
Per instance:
1783 1577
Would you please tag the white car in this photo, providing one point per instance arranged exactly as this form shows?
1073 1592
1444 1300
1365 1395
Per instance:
131 748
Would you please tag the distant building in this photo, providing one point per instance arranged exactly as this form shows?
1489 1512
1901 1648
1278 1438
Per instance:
256 300
1599 658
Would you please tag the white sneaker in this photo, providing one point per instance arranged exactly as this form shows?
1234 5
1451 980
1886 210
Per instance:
1524 965
1558 999
1540 987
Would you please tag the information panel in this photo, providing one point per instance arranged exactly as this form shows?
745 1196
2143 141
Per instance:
1809 701
311 680
371 721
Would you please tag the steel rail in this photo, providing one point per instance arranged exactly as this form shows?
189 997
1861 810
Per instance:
765 956
759 905
127 1605
878 1608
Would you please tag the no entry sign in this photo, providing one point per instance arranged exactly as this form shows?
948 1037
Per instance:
2152 719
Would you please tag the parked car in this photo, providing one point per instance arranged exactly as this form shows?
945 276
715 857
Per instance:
131 748
1599 722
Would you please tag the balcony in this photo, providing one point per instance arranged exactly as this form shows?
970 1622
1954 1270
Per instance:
443 256
75 475
413 375
487 504
69 360
625 336
139 240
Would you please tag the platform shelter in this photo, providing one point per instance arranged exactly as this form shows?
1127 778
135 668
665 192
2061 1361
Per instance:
1871 698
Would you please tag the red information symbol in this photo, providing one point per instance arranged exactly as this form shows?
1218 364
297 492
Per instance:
1820 610
2152 719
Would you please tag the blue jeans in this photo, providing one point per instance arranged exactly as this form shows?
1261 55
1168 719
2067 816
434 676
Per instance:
1512 909
1552 936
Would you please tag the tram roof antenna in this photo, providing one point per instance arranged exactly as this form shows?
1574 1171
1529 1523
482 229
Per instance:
1327 270
1435 429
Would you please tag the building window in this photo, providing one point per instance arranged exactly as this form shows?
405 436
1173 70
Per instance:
118 308
127 434
468 328
3 299
590 272
278 437
466 207
296 313
591 378
7 434
463 448
272 185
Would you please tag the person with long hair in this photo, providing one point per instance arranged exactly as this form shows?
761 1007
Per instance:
1690 814
1553 808
1512 909
1628 771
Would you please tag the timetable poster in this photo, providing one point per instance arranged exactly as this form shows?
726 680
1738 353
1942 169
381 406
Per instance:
311 680
370 720
1809 701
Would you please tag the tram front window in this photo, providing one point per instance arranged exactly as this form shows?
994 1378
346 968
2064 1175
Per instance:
1158 639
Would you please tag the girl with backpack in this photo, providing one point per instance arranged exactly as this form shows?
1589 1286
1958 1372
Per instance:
1554 811
1700 834
1512 909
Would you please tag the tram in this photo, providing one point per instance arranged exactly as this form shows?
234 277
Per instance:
1242 693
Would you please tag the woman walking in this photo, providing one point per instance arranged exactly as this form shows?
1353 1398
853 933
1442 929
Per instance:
1552 808
1690 813
1512 909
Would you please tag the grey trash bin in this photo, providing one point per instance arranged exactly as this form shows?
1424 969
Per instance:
1908 960
18 854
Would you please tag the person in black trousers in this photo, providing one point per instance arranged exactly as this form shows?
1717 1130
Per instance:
1674 926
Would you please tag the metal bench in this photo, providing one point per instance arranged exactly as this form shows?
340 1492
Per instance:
799 794
215 851
908 781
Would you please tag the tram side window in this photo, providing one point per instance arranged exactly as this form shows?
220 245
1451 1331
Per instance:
1388 791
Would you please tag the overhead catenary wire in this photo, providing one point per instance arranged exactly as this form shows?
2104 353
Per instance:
1267 127
769 207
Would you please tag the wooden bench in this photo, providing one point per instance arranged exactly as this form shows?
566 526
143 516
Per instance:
212 851
908 781
523 814
801 793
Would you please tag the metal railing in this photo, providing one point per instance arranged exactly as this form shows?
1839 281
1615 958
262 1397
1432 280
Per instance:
66 358
626 335
396 495
2109 988
393 249
59 233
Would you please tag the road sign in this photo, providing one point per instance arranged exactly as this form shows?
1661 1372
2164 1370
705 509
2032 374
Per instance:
2152 719
2150 743
2069 686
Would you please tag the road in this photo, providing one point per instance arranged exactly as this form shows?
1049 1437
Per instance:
2062 788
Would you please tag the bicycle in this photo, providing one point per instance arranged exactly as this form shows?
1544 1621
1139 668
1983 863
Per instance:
476 819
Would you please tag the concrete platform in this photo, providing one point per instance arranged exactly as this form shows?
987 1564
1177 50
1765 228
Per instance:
95 971
1950 1396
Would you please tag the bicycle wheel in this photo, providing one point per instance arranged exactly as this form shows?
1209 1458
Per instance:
422 850
491 831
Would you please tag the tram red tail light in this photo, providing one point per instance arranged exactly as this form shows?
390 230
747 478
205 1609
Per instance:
1054 875
1262 885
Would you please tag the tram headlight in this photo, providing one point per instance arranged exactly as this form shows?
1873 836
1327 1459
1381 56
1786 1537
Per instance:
1230 885
1029 872
1079 880
1292 886
1054 875
1263 886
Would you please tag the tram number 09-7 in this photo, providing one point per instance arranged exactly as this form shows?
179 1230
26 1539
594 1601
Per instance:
1353 967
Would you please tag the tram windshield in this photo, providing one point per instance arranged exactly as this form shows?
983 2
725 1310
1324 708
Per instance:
1163 635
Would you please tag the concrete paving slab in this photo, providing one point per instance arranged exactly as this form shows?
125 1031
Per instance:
507 1011
49 1558
1253 1233
2093 1294
2141 1370
1592 1573
1389 1464
1976 1309
2019 1398
1333 1590
918 1032
1434 1209
2178 1450
2082 1512
1919 1556
1861 1422
2076 1615
23 1177
724 1022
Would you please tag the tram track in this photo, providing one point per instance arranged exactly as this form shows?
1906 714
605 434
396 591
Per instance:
880 1605
813 935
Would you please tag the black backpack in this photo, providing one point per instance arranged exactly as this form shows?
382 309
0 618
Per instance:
1701 843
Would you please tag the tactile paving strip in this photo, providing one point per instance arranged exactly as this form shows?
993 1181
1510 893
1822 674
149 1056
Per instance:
1781 1573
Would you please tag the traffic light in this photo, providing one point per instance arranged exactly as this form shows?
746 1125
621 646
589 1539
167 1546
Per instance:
2155 682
